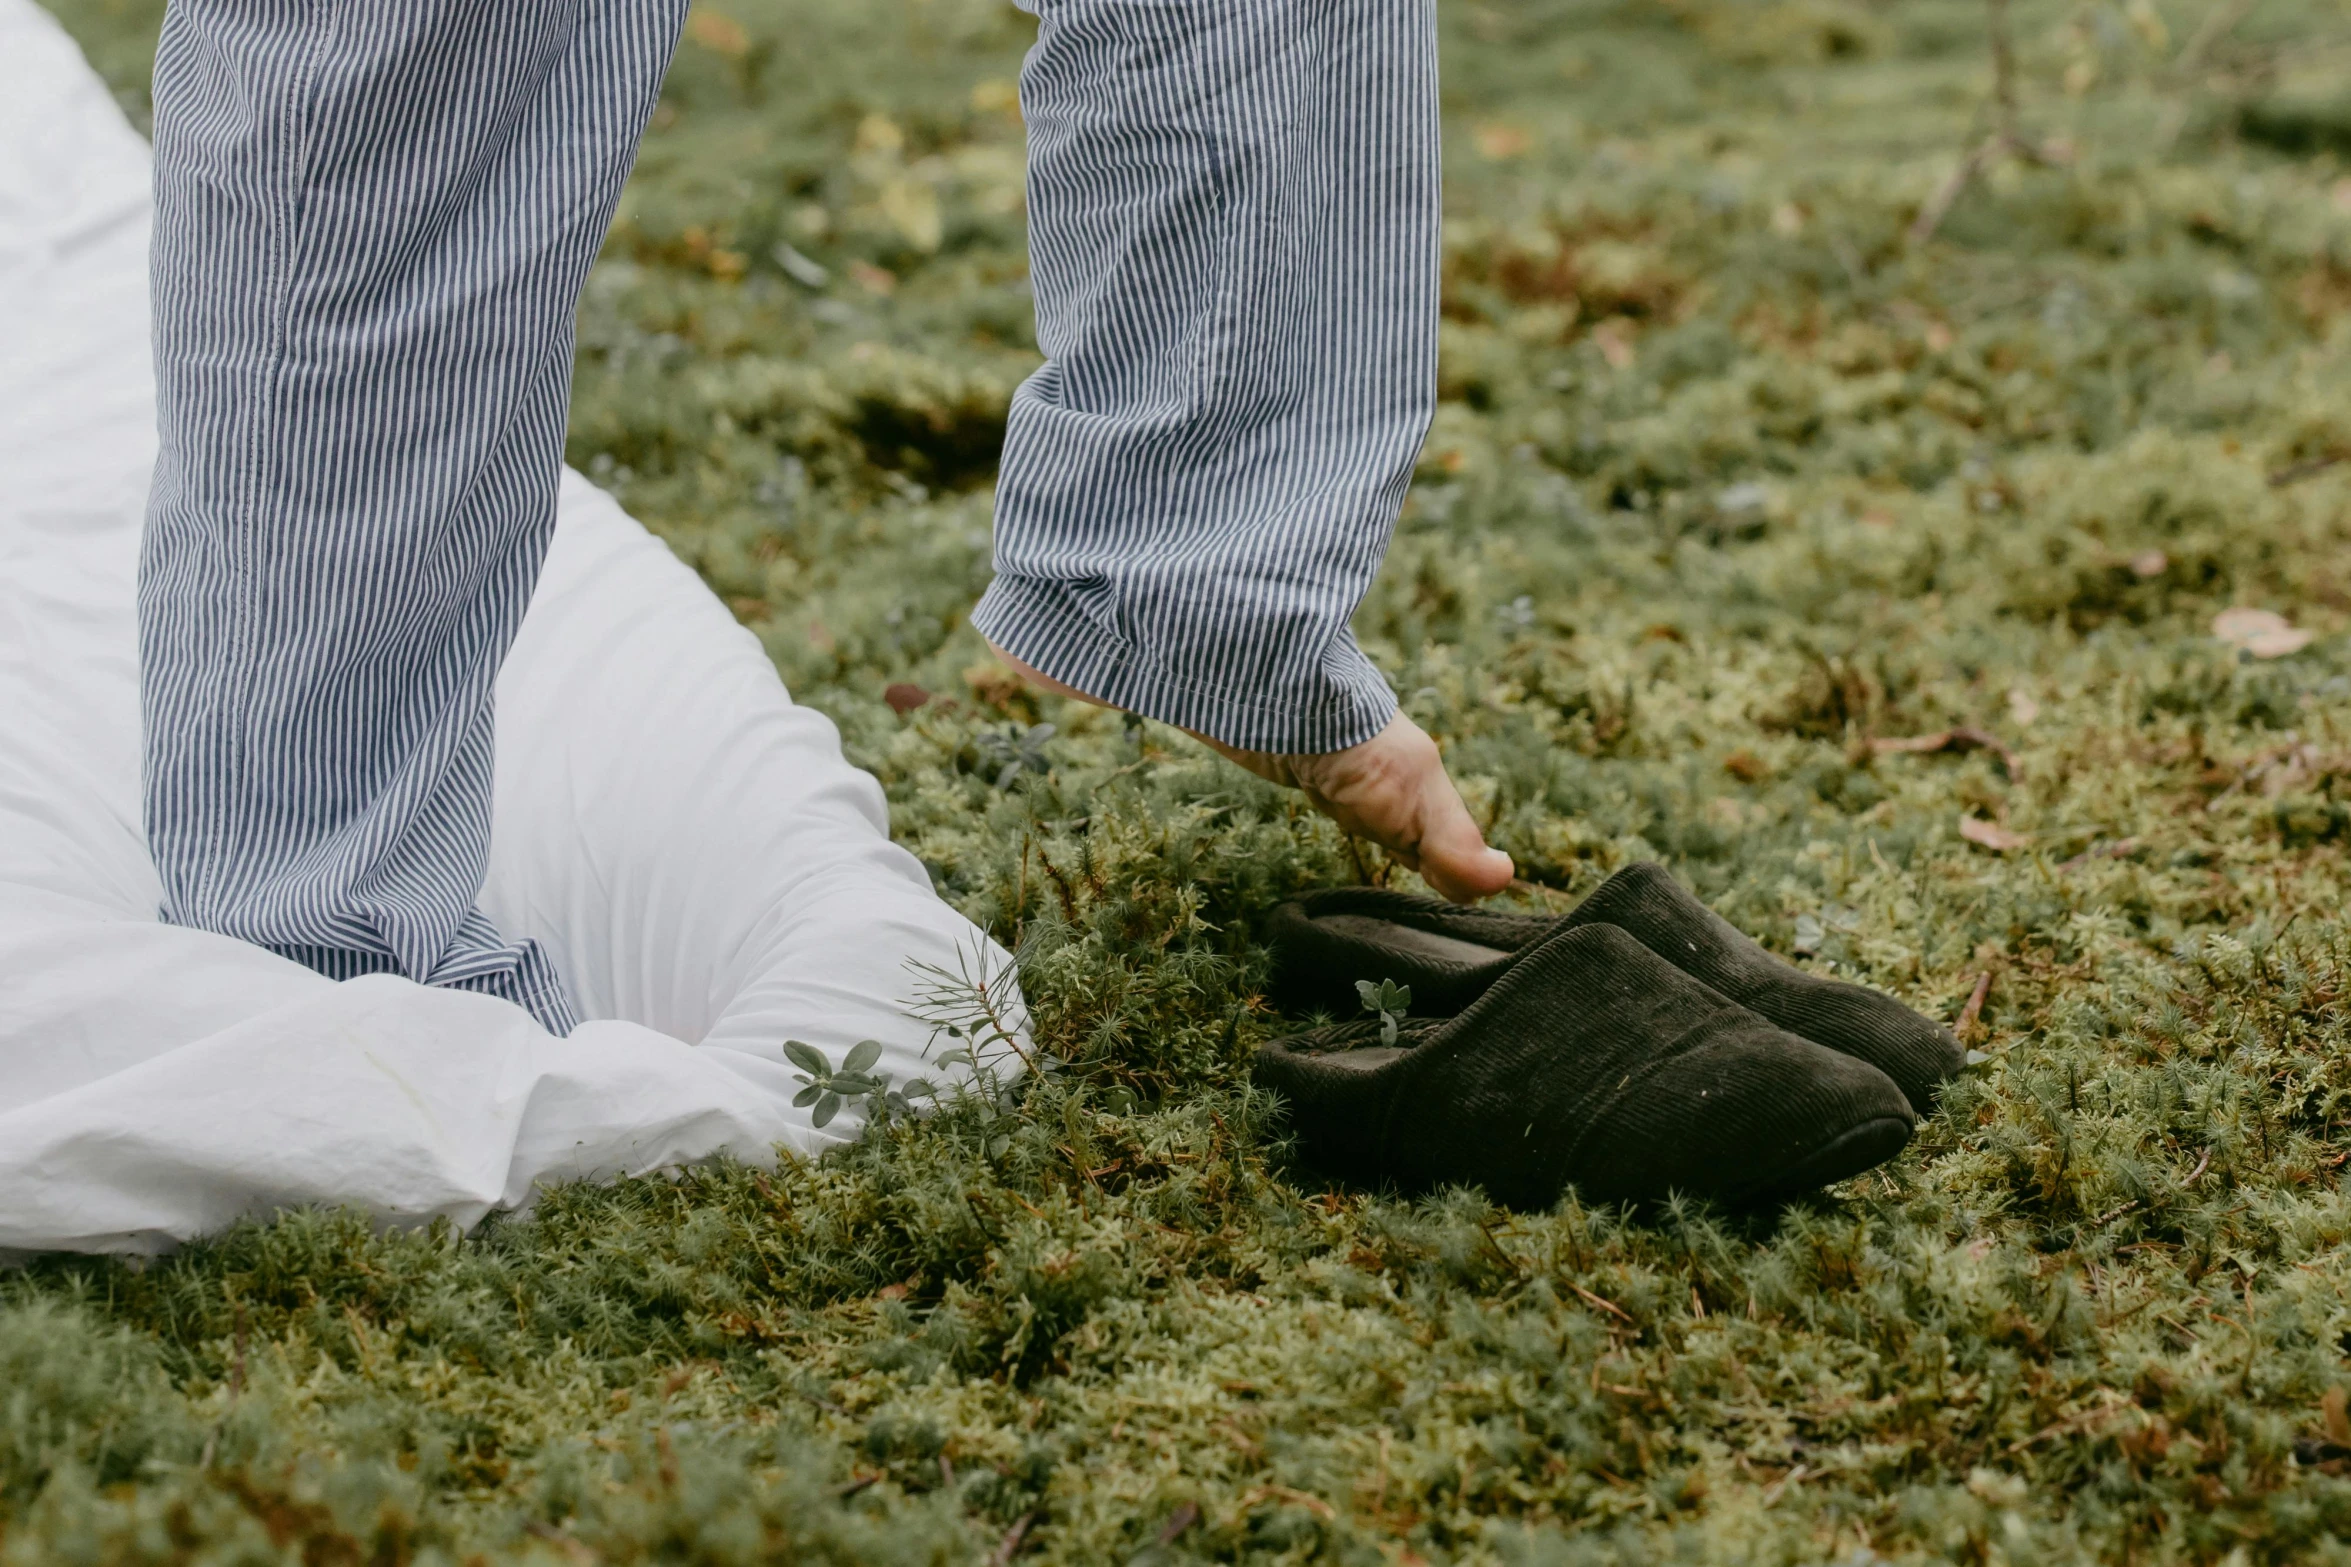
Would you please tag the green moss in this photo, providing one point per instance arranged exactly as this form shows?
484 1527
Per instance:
1728 480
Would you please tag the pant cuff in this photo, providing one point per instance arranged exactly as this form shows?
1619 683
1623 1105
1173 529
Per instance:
1037 624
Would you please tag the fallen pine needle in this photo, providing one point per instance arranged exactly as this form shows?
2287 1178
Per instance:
1602 1303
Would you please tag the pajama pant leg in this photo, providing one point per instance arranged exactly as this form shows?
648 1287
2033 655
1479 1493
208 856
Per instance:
372 221
1233 233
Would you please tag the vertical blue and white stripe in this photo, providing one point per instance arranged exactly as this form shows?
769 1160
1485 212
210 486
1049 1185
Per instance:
1233 231
372 222
373 218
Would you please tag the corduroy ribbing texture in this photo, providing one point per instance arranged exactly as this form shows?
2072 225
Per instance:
1645 902
1592 1063
1317 964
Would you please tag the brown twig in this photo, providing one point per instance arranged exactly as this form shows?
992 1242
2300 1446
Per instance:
2006 141
2003 66
2112 1214
1795 1476
1009 1546
2217 25
237 1366
1522 886
1185 1515
1946 195
1295 1497
563 1540
1960 737
1970 1014
2121 848
2295 473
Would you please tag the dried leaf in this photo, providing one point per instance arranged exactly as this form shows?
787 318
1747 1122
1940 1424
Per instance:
1503 141
1894 745
994 686
873 279
878 133
717 32
912 207
1987 834
800 268
1740 500
2277 644
2264 633
1614 338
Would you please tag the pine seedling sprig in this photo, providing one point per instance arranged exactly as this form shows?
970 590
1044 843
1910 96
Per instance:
977 1007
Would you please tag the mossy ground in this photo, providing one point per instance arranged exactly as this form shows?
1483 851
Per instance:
1728 481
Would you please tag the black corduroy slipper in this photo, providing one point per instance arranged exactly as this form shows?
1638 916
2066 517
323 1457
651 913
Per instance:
1449 955
1591 1063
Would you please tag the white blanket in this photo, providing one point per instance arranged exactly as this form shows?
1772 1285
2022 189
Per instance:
708 873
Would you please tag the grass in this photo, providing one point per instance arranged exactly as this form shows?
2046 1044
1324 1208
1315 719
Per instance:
1728 483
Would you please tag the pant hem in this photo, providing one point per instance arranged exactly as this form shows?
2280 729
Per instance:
1034 625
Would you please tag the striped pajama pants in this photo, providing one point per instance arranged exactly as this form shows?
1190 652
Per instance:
372 222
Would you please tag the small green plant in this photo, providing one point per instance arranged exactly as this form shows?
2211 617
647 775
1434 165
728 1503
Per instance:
1390 1000
828 1089
1013 751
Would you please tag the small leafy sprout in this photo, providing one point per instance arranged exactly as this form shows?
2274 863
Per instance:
1011 751
1390 1000
828 1089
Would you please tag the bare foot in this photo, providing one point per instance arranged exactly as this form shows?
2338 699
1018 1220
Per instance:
1392 789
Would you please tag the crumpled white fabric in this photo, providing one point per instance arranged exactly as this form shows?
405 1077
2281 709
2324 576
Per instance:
708 872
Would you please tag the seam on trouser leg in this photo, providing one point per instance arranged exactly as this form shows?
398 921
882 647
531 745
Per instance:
232 684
